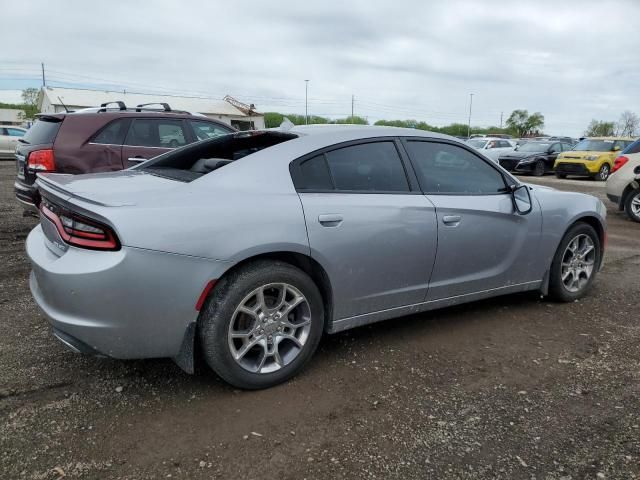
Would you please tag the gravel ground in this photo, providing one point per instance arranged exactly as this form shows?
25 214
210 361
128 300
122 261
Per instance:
510 388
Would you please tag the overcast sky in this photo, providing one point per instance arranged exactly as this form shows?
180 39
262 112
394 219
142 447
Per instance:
571 60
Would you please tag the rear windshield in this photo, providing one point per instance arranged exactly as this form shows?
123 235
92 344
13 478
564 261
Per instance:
193 161
43 131
633 148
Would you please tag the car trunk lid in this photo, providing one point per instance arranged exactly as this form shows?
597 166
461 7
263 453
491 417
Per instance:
109 189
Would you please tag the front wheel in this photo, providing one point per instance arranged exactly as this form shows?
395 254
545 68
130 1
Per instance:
575 263
261 325
603 173
632 205
539 168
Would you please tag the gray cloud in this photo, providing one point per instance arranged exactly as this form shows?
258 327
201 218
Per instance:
572 60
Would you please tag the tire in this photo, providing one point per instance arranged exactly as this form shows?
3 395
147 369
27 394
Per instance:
632 205
222 316
561 175
603 173
558 289
539 168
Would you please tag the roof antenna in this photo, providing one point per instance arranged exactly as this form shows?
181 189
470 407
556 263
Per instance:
65 107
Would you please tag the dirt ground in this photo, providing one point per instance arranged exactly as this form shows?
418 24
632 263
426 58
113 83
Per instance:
514 387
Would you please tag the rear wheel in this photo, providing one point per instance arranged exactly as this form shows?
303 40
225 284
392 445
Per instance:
632 205
539 168
261 325
603 173
575 263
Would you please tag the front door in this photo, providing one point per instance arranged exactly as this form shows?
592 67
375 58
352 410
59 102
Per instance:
483 243
375 236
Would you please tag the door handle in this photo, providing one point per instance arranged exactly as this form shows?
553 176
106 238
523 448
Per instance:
330 219
451 219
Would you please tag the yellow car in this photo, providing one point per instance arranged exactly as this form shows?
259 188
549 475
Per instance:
592 157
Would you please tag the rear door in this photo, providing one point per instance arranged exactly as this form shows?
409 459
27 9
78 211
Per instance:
149 137
368 225
483 244
103 152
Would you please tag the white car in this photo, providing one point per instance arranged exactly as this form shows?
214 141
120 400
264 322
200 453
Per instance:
623 184
492 147
9 136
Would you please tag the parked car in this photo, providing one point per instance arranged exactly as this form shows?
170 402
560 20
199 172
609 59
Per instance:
249 246
492 147
623 186
104 139
9 136
592 157
533 157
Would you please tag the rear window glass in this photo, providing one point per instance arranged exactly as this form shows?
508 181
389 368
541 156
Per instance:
43 131
633 148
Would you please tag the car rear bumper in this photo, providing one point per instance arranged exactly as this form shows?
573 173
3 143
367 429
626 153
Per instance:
131 303
27 195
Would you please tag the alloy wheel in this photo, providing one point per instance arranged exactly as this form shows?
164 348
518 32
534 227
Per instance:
578 262
269 328
635 205
603 174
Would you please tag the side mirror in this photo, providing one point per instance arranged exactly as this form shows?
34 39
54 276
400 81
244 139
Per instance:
521 199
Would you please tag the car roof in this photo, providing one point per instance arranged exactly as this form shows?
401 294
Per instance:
11 126
610 138
362 131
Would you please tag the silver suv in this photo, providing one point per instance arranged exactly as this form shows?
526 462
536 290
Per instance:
623 186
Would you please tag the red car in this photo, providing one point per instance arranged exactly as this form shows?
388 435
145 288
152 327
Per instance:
102 140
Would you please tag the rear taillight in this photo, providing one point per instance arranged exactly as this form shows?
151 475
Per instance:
619 162
41 161
80 231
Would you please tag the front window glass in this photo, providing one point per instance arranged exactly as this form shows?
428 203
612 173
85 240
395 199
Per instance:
445 168
477 143
204 130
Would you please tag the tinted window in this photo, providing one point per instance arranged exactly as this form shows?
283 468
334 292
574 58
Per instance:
633 148
566 146
43 131
314 174
14 132
555 148
444 168
204 130
368 167
113 133
156 133
504 144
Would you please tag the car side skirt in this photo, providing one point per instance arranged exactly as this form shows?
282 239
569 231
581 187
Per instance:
366 319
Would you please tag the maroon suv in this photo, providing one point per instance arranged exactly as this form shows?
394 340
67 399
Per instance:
102 140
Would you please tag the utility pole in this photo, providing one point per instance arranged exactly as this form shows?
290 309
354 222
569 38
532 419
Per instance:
470 105
306 102
501 120
44 82
353 99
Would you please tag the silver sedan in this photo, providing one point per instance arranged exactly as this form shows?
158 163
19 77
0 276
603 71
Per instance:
248 247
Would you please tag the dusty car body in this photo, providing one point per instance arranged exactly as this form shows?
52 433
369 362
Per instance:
253 244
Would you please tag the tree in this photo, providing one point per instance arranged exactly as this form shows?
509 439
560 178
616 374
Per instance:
599 128
628 124
351 120
275 119
30 96
522 124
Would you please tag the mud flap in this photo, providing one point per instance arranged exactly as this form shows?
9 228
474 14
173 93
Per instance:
185 358
544 287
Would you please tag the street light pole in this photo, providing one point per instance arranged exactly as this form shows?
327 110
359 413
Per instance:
469 125
306 102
